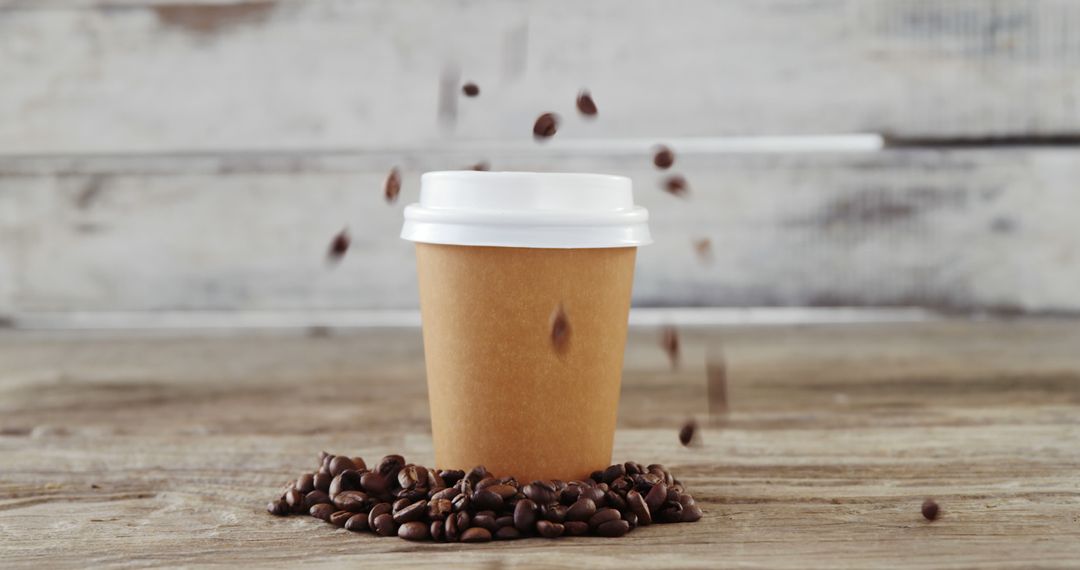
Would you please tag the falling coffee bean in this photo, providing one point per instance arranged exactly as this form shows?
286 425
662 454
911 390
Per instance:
560 329
585 104
392 187
471 89
676 185
480 167
669 341
663 158
703 248
546 126
339 245
930 510
687 433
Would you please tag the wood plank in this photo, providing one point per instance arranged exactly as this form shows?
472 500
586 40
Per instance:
959 229
125 450
112 76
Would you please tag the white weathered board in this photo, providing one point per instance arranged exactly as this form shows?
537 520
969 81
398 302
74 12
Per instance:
955 229
137 75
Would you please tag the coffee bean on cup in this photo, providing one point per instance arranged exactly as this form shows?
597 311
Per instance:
585 104
476 534
357 522
339 518
339 245
414 530
663 158
546 126
687 433
560 329
549 529
676 185
392 187
470 89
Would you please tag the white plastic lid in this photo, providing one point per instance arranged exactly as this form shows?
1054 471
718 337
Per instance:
526 209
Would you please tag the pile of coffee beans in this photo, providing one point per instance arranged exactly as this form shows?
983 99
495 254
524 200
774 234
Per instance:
418 503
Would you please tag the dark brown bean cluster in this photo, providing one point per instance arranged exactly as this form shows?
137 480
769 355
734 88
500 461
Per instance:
417 503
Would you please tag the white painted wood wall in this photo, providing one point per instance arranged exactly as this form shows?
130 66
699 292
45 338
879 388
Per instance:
200 155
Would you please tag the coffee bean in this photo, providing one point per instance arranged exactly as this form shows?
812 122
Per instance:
597 476
540 492
656 496
614 472
278 508
339 245
613 529
507 520
450 529
322 511
569 495
352 501
341 464
347 480
582 510
322 482
451 476
686 500
384 525
315 497
324 464
389 466
470 89
480 167
295 500
639 507
503 491
339 518
930 510
357 523
477 474
585 104
633 468
663 158
670 513
594 494
378 510
413 512
439 509
669 341
484 521
686 434
392 188
373 483
576 528
410 476
676 185
560 329
615 501
414 530
691 513
549 529
487 500
602 516
445 494
464 520
306 483
507 533
461 503
546 126
400 504
476 534
437 531
553 513
525 515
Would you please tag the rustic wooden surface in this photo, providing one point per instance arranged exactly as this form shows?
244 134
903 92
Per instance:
153 450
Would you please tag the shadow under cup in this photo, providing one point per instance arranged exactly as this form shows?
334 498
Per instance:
503 392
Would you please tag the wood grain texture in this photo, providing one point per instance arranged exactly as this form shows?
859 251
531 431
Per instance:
125 451
960 230
139 75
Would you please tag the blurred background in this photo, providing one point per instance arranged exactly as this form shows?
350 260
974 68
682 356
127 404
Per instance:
189 163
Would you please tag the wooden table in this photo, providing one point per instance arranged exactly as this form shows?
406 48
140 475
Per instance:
156 450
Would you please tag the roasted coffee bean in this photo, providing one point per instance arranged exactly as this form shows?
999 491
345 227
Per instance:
376 511
400 504
470 89
507 533
306 483
506 520
540 492
414 530
480 167
461 503
486 500
504 491
669 341
357 523
448 494
603 487
585 104
484 521
525 515
594 494
672 495
451 476
656 496
392 186
345 481
602 516
339 518
352 501
582 510
622 485
315 497
597 476
691 513
630 519
324 464
339 245
930 510
341 464
549 529
412 495
560 329
686 500
639 507
295 500
437 531
410 476
615 501
546 126
439 509
553 513
322 482
476 534
322 511
613 528
389 466
614 472
373 483
576 528
384 525
633 468
663 158
670 513
485 483
450 529
434 480
676 185
413 512
477 474
569 495
278 508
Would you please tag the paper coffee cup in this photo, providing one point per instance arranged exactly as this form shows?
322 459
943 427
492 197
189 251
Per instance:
500 256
